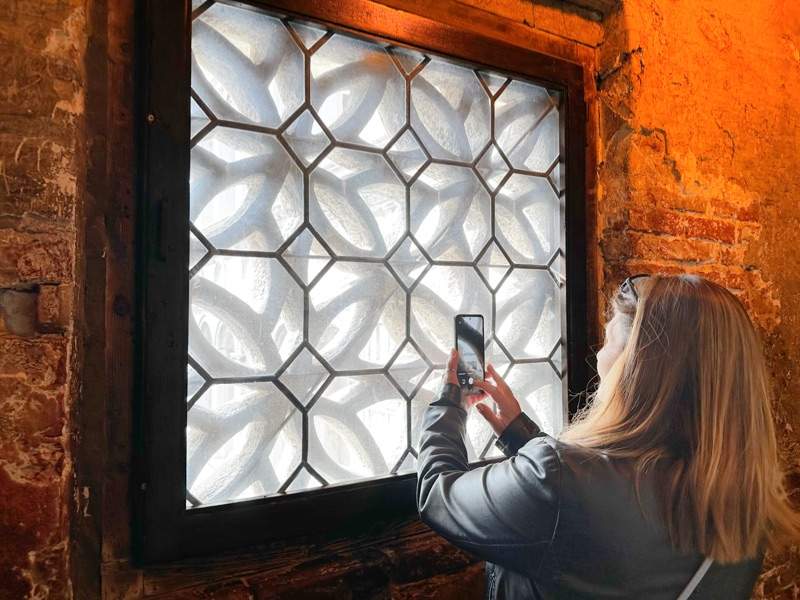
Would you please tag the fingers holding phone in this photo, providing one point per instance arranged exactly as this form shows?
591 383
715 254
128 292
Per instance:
508 407
450 373
465 368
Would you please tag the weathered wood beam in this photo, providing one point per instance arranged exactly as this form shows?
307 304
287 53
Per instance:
601 7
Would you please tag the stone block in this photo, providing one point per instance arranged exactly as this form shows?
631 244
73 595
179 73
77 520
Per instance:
35 257
652 219
667 247
39 361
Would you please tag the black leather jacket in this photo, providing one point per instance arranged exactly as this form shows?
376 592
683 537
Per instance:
552 521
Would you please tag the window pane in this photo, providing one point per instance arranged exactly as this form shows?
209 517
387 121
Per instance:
348 199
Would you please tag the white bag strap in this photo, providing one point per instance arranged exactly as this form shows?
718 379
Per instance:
695 580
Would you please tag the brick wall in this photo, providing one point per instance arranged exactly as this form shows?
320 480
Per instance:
700 124
696 125
41 156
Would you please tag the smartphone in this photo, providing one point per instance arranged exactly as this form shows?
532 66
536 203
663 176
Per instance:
469 343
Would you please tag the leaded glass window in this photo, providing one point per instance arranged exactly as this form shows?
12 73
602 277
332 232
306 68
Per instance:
347 199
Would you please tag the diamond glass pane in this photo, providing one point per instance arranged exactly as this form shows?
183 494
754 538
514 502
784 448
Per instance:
348 199
407 154
306 137
308 34
304 376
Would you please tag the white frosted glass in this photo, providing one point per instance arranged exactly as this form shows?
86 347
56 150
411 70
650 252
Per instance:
357 203
450 212
357 91
246 66
246 193
528 221
348 198
450 111
242 441
245 317
528 314
357 315
358 428
526 126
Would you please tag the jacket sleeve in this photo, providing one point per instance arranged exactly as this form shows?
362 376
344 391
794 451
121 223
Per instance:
517 433
505 512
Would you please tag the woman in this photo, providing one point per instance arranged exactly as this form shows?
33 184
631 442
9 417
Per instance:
669 477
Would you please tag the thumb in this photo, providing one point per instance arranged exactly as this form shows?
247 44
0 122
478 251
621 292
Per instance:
487 414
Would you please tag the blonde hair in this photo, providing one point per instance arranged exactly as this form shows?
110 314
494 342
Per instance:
689 399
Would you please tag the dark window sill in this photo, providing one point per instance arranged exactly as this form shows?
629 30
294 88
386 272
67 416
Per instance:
399 554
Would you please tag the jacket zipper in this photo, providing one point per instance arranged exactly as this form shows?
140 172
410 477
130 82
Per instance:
491 595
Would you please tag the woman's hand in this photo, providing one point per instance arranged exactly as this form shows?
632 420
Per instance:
507 405
451 376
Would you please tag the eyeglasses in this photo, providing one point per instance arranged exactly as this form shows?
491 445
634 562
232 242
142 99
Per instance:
627 285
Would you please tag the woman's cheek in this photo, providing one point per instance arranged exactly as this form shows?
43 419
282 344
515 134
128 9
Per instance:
606 357
603 363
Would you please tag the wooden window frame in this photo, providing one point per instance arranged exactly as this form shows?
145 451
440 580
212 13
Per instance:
163 528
